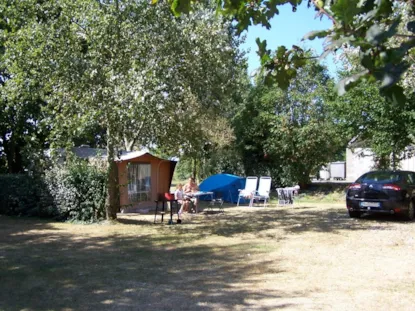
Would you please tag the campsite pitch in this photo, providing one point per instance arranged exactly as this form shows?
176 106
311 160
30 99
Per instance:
310 257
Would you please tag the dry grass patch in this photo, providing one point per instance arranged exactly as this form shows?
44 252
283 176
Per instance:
306 257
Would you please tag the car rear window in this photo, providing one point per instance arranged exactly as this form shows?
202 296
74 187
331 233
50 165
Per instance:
380 177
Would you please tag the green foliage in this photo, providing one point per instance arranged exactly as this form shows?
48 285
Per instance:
382 125
20 194
77 190
281 67
183 169
215 160
369 26
22 135
111 66
120 73
289 134
72 192
225 160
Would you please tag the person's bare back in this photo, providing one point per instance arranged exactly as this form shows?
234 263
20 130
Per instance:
188 189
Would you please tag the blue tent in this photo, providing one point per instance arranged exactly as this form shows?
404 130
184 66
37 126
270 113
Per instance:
227 184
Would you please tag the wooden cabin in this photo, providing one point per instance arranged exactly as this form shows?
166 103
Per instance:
143 177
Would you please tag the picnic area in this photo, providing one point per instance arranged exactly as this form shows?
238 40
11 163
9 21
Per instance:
207 155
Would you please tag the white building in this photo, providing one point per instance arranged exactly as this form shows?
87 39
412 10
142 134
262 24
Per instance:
361 160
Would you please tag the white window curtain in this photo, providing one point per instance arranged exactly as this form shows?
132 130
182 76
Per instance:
139 182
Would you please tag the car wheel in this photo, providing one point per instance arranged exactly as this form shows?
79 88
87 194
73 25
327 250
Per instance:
411 211
354 214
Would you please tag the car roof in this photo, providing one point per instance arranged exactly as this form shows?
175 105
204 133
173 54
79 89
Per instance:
389 171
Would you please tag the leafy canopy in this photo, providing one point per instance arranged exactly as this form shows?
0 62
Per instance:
368 26
126 67
289 133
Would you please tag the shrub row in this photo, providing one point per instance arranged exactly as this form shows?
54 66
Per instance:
72 192
20 194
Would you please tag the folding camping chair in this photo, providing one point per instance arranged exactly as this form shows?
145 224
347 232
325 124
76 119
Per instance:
264 188
286 195
217 200
249 190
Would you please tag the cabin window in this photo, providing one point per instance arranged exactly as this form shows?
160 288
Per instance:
139 182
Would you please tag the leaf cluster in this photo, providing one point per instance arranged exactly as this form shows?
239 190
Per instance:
289 134
368 26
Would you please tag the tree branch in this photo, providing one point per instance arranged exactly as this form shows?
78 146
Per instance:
324 12
404 36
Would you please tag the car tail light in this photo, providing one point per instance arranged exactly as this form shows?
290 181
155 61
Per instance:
355 186
391 187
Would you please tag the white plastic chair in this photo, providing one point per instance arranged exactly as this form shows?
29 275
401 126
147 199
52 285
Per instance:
249 190
264 189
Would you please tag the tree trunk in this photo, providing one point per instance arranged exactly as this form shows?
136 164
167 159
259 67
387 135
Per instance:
395 160
128 144
112 204
194 172
383 162
13 156
305 178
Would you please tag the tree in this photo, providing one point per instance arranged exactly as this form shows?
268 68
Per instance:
369 26
381 125
114 65
22 135
215 153
212 84
289 134
379 32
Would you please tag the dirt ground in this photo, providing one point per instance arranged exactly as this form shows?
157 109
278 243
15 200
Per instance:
306 257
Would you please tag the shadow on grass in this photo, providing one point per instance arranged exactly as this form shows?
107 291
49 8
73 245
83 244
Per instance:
44 268
134 221
292 220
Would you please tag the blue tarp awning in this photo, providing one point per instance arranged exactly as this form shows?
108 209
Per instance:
226 184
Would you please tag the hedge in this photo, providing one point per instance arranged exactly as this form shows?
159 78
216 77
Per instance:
21 194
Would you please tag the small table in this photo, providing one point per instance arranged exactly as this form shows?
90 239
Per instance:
199 194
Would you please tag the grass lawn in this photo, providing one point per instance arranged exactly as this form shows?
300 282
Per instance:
307 257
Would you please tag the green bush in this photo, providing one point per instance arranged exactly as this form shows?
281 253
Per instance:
72 192
20 194
78 191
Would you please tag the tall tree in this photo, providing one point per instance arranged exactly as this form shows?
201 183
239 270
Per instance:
370 26
114 64
384 125
376 123
289 134
22 135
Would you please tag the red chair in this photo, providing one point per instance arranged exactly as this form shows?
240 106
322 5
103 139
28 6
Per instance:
169 196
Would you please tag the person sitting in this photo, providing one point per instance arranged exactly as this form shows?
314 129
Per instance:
178 195
188 189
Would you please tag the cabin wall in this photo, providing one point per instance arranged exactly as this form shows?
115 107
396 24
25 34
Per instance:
160 181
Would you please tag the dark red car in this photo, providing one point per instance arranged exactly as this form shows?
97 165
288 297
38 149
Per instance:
387 192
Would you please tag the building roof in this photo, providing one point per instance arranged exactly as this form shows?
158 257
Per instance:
132 155
136 154
88 152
